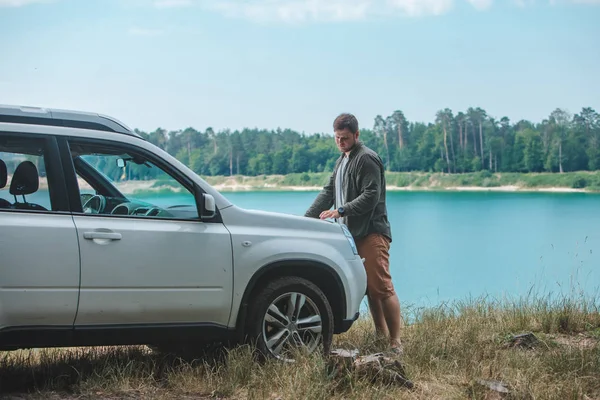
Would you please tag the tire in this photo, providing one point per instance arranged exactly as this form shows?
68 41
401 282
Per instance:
280 332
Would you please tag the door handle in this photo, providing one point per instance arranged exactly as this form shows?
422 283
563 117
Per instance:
102 235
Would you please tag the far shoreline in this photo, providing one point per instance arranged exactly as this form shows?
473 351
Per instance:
312 182
228 188
482 181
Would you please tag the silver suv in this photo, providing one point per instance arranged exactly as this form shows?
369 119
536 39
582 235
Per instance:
105 239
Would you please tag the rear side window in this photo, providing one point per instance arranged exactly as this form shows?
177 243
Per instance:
23 180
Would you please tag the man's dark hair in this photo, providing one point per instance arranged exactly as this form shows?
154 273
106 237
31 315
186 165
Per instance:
344 121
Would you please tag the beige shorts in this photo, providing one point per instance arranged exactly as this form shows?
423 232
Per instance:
374 248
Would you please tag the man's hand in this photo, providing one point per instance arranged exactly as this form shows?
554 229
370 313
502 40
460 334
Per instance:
329 214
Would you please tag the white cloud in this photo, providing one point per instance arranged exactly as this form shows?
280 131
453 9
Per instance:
293 11
172 3
481 4
136 31
20 3
300 11
417 8
524 3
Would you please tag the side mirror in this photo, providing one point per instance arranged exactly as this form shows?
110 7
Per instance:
205 203
209 209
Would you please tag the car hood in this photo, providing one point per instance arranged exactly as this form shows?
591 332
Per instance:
267 219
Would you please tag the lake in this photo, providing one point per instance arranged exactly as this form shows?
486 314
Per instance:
460 245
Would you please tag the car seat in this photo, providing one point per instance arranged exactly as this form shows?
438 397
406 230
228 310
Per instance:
26 180
3 179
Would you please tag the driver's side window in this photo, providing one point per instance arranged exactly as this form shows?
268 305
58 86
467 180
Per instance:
120 182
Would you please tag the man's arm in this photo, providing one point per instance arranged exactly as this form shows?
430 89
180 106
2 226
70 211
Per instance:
324 200
369 185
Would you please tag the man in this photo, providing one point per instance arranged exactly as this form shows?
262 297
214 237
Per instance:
357 190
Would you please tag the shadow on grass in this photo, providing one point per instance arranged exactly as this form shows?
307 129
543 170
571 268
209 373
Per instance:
73 370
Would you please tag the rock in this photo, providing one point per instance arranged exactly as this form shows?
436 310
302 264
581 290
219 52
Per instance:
373 366
344 356
494 385
341 361
344 353
380 367
524 340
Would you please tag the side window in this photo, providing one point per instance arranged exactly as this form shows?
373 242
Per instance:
115 181
23 181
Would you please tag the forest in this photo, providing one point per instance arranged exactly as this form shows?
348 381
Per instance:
468 141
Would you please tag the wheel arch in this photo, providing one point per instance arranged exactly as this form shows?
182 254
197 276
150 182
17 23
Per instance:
322 275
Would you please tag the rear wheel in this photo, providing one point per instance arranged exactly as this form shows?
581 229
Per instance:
288 315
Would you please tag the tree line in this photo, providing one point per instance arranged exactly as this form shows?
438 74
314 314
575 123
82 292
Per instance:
454 143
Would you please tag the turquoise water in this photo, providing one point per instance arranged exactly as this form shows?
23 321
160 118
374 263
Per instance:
462 245
459 245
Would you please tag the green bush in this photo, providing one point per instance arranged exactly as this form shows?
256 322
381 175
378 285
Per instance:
579 183
152 193
465 180
422 180
490 182
401 179
305 179
485 174
165 182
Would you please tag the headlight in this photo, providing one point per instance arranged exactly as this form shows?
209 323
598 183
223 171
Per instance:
350 238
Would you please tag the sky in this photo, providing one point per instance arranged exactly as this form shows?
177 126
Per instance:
297 64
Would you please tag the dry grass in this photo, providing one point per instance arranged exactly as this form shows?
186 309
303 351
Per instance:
447 349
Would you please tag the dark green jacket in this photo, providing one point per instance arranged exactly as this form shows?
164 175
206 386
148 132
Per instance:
364 189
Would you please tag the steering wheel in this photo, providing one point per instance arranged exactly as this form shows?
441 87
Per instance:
95 204
85 197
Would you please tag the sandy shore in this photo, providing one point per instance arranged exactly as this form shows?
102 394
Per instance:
229 187
511 188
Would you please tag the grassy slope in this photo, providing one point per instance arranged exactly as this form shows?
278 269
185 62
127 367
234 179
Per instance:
589 181
446 350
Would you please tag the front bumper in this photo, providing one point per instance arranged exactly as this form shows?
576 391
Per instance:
357 286
345 324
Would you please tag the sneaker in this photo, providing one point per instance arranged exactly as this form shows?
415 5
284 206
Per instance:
396 348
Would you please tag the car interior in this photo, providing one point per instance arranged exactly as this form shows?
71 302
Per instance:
20 180
25 179
100 172
3 180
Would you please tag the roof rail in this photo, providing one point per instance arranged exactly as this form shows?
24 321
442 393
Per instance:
66 118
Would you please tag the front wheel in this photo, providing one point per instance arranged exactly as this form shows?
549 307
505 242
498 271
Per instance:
290 314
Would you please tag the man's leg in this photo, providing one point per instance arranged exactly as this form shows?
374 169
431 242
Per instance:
379 319
393 319
383 301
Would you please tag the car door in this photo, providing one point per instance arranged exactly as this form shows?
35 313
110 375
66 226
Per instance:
39 254
146 257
